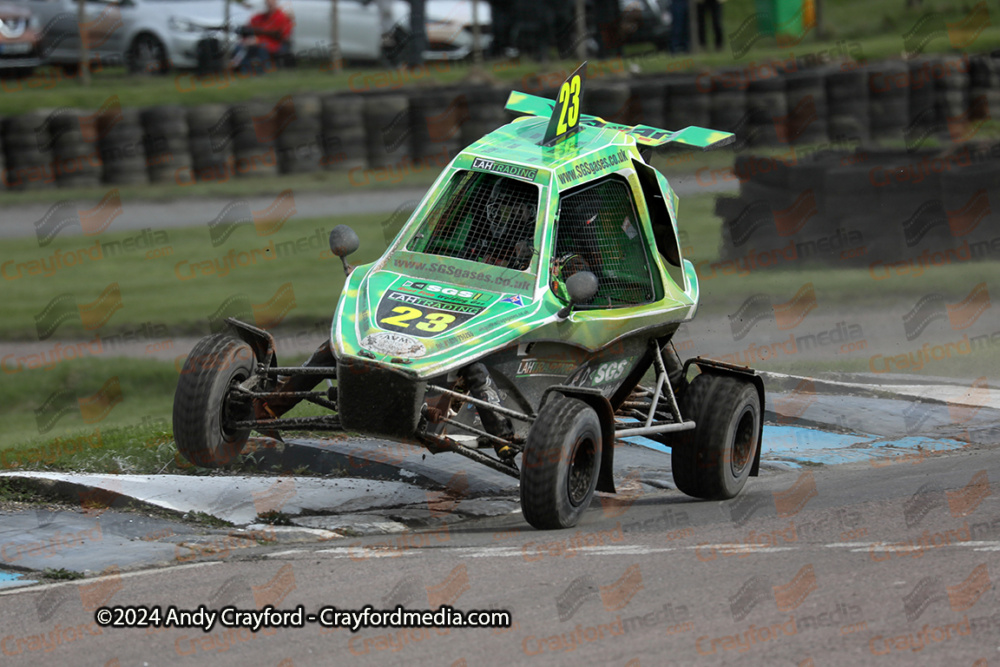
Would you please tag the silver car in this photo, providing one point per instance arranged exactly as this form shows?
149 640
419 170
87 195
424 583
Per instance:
150 36
145 35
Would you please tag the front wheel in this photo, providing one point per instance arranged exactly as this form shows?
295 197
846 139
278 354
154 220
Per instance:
205 405
561 460
713 460
147 56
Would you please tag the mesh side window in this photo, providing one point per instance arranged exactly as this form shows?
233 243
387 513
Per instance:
599 232
484 218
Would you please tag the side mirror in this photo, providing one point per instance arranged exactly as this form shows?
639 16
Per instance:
582 287
343 242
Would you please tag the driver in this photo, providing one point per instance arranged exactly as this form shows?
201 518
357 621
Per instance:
510 226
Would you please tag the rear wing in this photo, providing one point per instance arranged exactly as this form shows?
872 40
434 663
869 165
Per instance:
644 135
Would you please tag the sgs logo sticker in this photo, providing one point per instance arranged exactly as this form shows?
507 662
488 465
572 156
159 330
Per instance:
611 370
439 289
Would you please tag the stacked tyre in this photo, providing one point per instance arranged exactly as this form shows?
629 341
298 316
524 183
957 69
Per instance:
209 141
951 79
923 117
847 104
807 109
76 161
166 136
610 102
888 101
687 102
436 119
728 109
121 144
648 103
255 128
343 134
388 130
767 112
299 127
486 113
25 139
984 88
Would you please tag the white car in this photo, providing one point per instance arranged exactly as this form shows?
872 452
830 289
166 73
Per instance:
145 35
449 31
157 35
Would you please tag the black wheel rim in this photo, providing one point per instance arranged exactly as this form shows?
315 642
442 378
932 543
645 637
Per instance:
234 407
147 56
743 441
581 470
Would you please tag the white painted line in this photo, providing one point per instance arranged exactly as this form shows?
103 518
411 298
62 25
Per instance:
482 552
290 552
360 553
742 548
123 575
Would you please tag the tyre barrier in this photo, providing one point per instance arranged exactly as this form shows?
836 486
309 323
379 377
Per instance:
167 142
299 142
807 109
28 165
121 144
984 88
436 119
486 113
388 132
728 111
767 112
253 129
209 143
610 101
952 89
889 102
847 103
648 102
855 208
343 134
687 102
72 140
944 97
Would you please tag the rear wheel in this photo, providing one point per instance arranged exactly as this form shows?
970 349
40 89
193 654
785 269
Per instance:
561 460
713 460
205 407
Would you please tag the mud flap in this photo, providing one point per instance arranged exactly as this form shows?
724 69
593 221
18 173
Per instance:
746 373
260 341
606 414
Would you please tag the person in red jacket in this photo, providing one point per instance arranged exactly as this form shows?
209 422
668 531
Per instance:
266 38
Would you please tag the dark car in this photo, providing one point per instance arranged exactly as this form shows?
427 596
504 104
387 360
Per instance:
18 41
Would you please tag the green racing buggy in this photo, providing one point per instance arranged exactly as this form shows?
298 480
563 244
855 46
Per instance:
512 321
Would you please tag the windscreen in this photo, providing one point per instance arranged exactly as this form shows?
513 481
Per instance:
482 218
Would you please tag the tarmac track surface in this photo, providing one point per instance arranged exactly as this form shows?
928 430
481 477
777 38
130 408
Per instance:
850 564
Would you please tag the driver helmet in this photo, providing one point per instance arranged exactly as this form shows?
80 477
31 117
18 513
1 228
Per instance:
510 208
